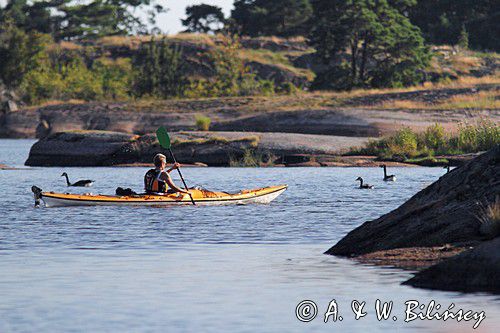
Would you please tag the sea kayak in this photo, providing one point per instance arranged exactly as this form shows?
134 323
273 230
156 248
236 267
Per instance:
200 197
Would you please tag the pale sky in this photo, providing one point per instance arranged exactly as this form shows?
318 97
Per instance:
171 21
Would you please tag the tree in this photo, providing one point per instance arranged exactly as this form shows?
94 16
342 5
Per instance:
19 52
158 69
463 39
367 43
442 21
203 18
277 17
67 19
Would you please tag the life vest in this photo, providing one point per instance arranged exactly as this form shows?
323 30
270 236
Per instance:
153 183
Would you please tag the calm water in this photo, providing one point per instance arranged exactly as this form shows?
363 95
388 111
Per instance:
203 269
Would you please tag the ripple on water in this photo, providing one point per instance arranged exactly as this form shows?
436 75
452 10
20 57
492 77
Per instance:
210 269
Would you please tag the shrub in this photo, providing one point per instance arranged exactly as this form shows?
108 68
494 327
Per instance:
266 87
288 88
249 86
403 143
473 138
202 123
115 77
80 82
42 84
230 76
434 138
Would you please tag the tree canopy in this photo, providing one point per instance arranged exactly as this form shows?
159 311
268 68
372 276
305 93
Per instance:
203 18
67 19
367 43
277 17
443 21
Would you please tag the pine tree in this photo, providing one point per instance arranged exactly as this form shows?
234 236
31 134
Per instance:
442 21
383 48
69 20
203 18
277 17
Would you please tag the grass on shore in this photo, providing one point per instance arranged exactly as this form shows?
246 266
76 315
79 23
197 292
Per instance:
252 158
489 217
407 146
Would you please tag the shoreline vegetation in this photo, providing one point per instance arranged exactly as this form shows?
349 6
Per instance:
267 149
425 148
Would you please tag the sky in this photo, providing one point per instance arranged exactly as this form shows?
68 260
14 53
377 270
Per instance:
171 21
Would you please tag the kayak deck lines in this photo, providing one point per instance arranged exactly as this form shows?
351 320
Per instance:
201 197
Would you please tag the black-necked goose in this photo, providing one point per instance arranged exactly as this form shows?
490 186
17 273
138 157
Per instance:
364 186
388 178
80 183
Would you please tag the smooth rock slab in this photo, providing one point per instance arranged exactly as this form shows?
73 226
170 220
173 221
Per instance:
443 213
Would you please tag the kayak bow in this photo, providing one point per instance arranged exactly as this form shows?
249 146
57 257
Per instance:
201 197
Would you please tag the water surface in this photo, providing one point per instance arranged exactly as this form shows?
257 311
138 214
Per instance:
206 269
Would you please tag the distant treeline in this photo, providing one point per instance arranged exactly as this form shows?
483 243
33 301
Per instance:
362 43
440 21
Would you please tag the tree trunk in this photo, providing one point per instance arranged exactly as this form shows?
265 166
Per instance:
354 54
364 55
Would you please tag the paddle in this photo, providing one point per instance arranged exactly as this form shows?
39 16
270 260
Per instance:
164 140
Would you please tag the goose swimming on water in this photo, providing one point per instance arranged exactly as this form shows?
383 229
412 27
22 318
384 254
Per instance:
364 186
447 167
80 183
388 178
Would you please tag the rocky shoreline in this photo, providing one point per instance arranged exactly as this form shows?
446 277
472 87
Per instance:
101 148
440 224
105 148
305 113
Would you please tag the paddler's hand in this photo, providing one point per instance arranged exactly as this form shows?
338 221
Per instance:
175 166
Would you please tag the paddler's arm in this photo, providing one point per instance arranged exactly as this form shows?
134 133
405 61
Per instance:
166 177
174 167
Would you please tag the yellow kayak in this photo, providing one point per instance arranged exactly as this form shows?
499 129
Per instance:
200 197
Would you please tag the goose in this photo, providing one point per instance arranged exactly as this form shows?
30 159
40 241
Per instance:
447 167
390 178
80 183
364 186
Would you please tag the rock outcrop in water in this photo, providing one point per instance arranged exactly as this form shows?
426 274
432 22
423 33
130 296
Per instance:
79 148
445 212
101 148
471 271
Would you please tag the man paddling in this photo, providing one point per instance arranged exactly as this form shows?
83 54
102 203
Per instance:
158 181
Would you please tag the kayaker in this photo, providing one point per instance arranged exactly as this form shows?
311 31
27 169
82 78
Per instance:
158 180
